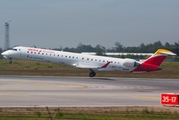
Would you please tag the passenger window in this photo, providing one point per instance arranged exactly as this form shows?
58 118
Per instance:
42 53
76 57
111 61
87 58
99 60
103 60
95 59
58 55
91 59
34 52
118 62
62 56
31 52
50 54
69 56
66 56
54 54
38 53
82 58
73 57
115 62
46 54
27 51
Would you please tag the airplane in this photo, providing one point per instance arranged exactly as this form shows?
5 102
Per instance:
92 62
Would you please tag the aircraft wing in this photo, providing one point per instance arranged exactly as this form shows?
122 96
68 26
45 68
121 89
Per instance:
90 66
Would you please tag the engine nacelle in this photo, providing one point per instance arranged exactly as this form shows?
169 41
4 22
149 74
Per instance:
131 63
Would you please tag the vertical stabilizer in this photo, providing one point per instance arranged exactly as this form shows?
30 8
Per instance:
158 57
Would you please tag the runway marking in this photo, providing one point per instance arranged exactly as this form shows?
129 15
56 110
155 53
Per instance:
14 95
78 96
41 85
146 97
10 89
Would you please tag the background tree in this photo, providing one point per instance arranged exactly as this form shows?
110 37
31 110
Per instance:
100 50
118 47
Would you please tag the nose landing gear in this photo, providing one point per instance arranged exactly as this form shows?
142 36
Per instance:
10 62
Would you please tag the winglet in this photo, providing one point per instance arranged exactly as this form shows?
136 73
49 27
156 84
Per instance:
104 66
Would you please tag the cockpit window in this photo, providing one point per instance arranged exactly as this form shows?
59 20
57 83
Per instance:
14 49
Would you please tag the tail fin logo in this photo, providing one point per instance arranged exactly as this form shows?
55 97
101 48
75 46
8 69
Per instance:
153 63
158 57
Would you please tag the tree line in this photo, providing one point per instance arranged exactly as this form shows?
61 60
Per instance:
118 47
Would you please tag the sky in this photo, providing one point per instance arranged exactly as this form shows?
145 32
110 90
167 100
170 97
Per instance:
66 23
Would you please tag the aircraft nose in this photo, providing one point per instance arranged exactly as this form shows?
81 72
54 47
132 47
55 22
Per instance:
6 53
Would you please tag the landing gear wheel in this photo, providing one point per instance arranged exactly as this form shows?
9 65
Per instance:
92 74
10 62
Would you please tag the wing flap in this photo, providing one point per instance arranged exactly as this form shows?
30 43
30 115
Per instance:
90 66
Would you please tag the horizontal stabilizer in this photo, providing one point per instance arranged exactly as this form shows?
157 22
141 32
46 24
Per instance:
163 52
168 53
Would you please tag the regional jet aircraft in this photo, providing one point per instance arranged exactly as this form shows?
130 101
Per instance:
92 62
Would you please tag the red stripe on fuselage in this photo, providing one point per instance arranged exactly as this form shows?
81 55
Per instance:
151 64
146 67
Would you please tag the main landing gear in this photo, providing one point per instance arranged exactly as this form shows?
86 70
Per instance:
92 73
10 62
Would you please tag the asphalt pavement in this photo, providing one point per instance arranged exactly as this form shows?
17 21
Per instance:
41 91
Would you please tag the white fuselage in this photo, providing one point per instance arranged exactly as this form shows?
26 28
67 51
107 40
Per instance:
92 62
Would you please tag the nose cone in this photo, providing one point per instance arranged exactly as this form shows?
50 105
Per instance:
6 53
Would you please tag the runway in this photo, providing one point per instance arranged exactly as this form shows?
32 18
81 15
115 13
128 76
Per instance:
40 91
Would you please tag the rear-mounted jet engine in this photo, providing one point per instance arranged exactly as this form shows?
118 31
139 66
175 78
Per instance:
131 63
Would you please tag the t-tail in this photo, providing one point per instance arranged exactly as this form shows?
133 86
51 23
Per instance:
153 63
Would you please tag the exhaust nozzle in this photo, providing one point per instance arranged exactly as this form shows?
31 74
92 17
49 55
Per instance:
159 68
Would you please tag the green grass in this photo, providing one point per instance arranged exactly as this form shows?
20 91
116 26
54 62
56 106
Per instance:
29 65
170 66
132 115
169 70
